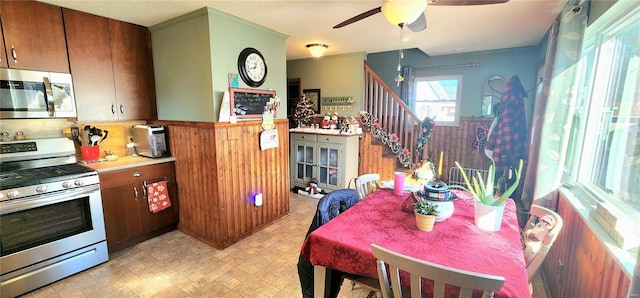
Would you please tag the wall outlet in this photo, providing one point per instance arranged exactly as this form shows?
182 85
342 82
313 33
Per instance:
258 199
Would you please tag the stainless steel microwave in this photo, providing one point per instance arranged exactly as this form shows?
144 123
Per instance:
36 94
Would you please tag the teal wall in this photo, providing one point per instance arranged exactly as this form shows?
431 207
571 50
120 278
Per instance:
506 63
193 55
335 76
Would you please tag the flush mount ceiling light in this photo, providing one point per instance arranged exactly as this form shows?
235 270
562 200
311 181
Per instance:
400 12
317 49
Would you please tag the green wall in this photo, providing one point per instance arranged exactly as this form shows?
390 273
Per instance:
193 55
335 76
506 63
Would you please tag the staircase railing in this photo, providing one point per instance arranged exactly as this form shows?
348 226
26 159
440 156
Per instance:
392 113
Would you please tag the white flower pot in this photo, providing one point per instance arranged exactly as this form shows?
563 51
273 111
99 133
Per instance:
488 218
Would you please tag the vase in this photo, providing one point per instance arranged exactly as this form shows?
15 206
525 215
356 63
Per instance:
487 217
425 222
445 209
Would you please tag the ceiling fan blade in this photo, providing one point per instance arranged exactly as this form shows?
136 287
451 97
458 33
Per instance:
465 2
359 17
419 24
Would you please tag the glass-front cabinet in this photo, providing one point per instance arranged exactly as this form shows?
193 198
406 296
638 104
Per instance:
330 159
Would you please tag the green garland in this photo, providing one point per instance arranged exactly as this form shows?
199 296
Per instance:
393 141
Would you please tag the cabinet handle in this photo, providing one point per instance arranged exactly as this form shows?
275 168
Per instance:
113 109
121 109
135 192
137 174
14 54
144 191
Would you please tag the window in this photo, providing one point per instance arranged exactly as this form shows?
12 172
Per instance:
603 155
438 98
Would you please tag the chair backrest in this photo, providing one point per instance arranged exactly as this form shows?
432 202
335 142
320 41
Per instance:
441 276
366 184
538 235
456 178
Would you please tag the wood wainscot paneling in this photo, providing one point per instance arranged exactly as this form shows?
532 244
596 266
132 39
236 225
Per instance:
220 168
579 264
454 141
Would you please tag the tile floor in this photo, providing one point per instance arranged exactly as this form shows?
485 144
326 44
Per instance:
176 265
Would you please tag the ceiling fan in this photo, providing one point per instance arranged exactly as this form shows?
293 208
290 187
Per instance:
411 12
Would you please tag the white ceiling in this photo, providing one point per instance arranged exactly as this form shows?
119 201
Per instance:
450 29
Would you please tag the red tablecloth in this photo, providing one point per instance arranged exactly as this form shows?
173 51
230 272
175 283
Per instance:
344 243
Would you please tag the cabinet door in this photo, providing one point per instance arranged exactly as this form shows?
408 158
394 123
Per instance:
164 218
121 207
132 70
329 172
34 31
3 56
304 162
91 67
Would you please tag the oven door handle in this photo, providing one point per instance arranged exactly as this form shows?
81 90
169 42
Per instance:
47 199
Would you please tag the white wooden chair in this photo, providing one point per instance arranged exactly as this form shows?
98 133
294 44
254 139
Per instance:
366 184
441 276
538 235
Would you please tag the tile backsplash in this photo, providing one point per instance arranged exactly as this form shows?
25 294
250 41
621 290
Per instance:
52 128
35 128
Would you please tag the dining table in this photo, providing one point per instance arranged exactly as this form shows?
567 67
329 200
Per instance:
344 243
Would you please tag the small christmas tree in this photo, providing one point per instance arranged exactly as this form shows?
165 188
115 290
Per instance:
304 111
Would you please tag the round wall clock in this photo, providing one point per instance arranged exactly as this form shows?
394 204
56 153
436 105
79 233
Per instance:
252 67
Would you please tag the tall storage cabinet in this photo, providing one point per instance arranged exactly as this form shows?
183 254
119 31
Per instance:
331 159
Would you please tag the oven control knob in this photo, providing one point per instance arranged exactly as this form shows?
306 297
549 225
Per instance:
67 184
13 194
78 182
41 188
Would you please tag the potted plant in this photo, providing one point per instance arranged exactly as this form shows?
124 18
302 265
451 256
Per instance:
426 213
489 205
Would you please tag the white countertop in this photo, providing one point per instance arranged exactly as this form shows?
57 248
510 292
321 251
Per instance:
126 162
323 131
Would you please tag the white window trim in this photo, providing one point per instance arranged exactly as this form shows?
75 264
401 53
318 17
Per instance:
458 77
582 197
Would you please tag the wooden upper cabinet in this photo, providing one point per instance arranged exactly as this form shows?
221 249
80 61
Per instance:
91 66
133 70
34 34
3 56
112 68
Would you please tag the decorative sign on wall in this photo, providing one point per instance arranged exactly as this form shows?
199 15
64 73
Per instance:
269 139
338 103
250 103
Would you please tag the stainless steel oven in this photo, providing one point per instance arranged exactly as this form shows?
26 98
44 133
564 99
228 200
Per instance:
51 221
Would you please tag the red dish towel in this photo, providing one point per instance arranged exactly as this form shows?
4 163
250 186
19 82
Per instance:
158 196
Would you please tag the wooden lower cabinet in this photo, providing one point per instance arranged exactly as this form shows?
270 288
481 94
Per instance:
126 211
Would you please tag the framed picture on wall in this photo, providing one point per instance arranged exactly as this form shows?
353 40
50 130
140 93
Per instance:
313 95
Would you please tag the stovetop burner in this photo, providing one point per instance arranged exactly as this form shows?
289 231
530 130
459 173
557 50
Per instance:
27 177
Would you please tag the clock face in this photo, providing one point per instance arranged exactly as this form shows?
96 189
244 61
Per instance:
255 67
252 67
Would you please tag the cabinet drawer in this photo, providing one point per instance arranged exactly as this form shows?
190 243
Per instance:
305 137
330 139
149 173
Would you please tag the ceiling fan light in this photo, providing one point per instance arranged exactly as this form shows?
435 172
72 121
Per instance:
403 11
317 49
